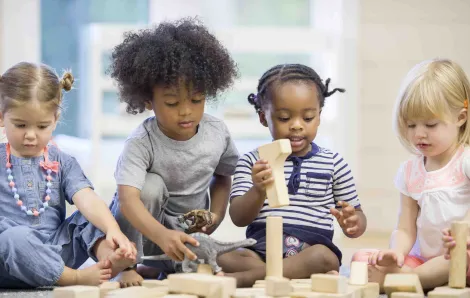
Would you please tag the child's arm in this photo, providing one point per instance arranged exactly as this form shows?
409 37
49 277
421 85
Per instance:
403 238
219 190
170 241
245 208
98 214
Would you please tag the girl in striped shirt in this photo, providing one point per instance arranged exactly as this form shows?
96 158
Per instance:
289 101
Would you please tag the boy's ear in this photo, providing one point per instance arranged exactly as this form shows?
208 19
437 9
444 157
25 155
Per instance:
462 117
148 105
262 119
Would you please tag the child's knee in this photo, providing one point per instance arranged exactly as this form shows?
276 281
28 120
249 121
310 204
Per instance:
323 258
15 236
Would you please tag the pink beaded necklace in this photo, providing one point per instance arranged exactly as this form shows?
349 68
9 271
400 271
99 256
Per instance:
49 166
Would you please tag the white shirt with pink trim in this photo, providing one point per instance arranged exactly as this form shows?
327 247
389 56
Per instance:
442 195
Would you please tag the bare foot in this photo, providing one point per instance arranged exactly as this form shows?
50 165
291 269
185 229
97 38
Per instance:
148 272
119 261
333 272
220 273
129 278
95 274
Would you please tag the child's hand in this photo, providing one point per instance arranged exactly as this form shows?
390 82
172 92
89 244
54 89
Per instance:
172 243
347 218
387 257
449 242
210 228
261 175
117 239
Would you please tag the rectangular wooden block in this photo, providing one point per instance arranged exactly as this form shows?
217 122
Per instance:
406 295
274 246
107 287
458 255
327 283
398 282
277 286
320 295
201 284
359 273
154 283
77 292
448 292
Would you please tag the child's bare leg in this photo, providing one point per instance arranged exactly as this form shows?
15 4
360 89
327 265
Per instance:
91 276
314 259
433 273
117 257
239 261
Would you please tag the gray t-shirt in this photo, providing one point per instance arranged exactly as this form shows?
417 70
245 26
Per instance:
186 167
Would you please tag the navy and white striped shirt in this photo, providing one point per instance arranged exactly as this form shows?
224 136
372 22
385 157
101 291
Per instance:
316 182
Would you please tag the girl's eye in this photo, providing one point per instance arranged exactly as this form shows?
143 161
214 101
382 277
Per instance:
308 119
196 101
20 125
283 119
171 104
43 126
431 125
411 125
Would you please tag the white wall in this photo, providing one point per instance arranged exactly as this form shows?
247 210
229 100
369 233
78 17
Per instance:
20 32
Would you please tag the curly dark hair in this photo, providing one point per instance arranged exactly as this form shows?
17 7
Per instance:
288 72
177 52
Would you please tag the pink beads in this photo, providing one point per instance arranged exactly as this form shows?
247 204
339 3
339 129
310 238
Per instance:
19 203
47 198
49 177
8 165
36 213
12 184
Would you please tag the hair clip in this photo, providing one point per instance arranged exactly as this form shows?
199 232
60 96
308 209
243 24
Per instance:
465 103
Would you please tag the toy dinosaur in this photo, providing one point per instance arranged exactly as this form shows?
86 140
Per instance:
207 252
195 220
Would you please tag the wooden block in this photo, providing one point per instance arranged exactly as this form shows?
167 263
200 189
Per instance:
359 273
398 282
180 296
370 290
107 287
77 292
301 287
447 292
406 295
201 284
154 283
301 280
276 153
204 269
277 287
274 246
458 255
320 295
248 292
327 283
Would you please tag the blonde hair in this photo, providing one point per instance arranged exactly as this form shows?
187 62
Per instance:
434 88
26 81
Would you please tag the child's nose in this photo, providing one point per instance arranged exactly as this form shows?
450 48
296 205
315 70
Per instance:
296 125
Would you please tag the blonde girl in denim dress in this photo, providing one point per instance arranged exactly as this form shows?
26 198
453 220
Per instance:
38 245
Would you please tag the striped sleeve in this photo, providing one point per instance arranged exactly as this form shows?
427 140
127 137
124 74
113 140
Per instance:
344 188
242 178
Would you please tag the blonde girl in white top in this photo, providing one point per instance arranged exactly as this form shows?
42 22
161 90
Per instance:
431 121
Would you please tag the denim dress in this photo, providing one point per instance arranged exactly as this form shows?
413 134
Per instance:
35 249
